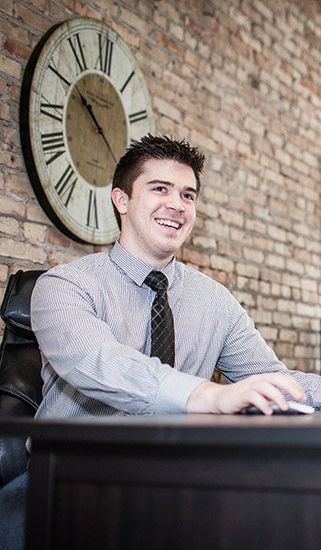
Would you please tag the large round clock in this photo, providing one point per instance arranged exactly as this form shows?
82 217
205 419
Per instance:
83 100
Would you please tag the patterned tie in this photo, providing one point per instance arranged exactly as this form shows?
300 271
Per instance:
163 337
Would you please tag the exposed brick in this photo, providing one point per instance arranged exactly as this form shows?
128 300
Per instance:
230 249
204 242
307 338
253 255
34 232
291 280
268 303
12 207
275 261
195 257
270 275
9 66
222 264
276 290
224 139
247 270
7 6
284 349
19 185
303 351
31 17
307 284
167 109
239 79
245 298
36 214
233 218
269 333
282 319
255 225
22 250
55 237
313 272
207 208
205 142
261 316
38 4
9 226
3 272
282 249
306 310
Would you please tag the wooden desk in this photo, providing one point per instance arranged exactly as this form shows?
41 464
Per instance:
185 482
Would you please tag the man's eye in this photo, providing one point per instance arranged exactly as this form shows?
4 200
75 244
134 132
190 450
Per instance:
190 196
160 188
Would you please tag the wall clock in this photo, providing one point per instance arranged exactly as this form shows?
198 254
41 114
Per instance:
83 100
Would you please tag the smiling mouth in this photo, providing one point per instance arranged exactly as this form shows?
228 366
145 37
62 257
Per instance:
168 223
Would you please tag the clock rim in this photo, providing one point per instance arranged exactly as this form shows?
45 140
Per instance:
25 133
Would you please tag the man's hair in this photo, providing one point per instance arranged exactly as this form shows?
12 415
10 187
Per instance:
150 147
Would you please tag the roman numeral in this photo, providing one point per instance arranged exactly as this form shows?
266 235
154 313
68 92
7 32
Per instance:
127 82
65 186
136 117
92 215
65 83
53 145
105 47
78 52
51 109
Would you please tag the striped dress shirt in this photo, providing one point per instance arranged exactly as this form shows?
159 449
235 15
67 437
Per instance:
91 318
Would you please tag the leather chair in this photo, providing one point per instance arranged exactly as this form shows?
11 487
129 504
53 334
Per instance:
20 366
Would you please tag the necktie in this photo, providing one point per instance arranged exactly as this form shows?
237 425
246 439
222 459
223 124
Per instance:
162 323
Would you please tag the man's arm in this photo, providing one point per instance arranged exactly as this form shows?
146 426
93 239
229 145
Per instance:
245 354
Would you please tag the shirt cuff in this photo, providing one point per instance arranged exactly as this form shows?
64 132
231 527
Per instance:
174 392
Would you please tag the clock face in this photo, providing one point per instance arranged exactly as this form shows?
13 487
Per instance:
83 100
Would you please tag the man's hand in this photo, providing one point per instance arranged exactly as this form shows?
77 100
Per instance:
258 390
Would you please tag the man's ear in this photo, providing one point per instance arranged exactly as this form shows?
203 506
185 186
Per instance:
120 200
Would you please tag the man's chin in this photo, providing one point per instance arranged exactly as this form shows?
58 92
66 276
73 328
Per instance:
170 251
169 245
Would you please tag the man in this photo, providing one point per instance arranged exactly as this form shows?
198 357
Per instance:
92 319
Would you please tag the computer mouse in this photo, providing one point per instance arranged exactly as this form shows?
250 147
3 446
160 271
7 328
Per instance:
294 408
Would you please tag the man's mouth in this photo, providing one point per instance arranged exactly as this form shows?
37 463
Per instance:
168 223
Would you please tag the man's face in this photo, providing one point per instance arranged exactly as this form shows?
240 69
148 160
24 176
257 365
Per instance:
160 214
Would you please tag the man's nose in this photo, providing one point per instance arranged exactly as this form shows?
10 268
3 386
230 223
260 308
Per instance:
175 202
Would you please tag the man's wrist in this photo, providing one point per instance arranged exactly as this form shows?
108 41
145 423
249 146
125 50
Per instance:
203 398
174 391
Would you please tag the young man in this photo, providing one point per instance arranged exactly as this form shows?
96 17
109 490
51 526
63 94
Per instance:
92 317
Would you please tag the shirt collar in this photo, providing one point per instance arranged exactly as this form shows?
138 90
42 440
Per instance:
135 268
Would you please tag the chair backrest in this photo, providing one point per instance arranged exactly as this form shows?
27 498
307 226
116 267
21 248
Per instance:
20 366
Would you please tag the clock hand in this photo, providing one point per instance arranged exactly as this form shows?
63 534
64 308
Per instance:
100 131
99 128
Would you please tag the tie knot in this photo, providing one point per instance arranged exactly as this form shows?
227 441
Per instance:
157 281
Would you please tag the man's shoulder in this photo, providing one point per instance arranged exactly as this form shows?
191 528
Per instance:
89 262
83 271
196 277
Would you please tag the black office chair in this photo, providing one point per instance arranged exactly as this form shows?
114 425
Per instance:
20 366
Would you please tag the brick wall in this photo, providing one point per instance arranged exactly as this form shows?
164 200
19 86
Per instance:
240 78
